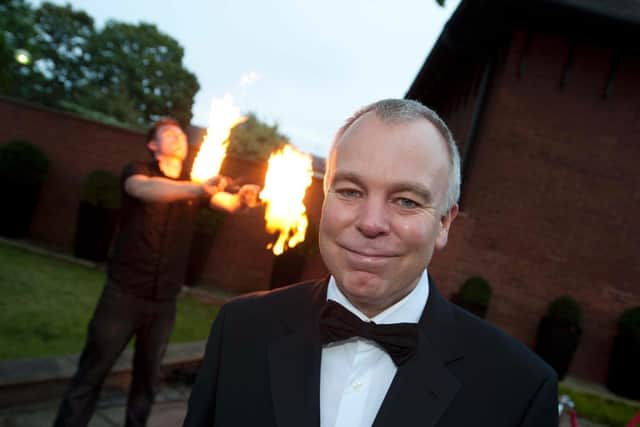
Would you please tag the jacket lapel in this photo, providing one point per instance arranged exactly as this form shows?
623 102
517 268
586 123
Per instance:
294 365
423 387
420 393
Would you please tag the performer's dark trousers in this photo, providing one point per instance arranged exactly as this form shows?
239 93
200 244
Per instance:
119 317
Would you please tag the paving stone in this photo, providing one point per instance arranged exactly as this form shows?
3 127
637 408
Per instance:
29 417
169 414
108 417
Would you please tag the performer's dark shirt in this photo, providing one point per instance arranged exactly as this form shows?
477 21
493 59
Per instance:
152 247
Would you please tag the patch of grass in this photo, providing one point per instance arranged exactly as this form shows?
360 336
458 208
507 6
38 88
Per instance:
46 304
193 320
599 409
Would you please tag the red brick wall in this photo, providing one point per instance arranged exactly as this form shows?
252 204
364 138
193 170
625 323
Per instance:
75 147
552 200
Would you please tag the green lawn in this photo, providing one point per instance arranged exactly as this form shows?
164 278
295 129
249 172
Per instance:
599 409
46 303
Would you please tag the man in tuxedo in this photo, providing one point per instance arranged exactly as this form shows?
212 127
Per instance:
375 344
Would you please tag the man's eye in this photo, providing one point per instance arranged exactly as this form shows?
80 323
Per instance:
407 203
349 193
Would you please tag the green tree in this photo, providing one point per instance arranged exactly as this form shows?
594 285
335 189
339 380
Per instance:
140 76
63 37
254 139
124 74
17 31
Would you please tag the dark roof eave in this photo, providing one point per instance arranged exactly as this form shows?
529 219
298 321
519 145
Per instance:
476 25
618 11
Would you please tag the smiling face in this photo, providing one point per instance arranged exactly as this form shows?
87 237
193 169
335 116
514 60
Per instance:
382 214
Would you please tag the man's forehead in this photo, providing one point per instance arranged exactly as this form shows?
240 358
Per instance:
170 129
391 152
421 128
370 135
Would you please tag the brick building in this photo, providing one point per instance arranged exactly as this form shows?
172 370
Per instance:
543 98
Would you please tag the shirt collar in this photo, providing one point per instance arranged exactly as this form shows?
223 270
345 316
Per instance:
407 310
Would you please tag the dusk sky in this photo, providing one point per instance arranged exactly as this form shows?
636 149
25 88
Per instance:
301 64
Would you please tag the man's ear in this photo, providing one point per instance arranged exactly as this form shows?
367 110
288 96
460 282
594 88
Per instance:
445 224
152 145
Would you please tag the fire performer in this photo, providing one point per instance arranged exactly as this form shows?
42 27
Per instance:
145 274
375 343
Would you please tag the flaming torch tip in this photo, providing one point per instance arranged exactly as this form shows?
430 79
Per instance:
288 177
223 116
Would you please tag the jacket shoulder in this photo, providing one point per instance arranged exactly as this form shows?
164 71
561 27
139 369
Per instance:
296 299
495 347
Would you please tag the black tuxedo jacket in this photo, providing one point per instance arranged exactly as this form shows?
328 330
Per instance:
262 368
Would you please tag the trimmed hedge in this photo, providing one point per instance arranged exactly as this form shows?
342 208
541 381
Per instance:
23 170
559 333
97 216
624 368
102 189
565 308
24 162
475 290
629 322
474 296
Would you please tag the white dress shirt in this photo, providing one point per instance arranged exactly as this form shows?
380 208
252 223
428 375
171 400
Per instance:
355 374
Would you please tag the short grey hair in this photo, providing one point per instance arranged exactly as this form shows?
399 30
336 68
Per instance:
406 110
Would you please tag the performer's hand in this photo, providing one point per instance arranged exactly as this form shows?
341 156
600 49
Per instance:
216 184
248 195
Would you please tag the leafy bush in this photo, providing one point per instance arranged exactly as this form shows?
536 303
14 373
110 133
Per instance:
23 162
254 139
559 333
565 308
599 409
475 290
210 220
23 170
624 371
102 189
629 322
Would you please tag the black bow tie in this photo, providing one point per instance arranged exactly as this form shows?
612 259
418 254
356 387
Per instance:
337 323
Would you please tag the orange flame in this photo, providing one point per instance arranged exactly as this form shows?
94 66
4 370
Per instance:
223 116
288 176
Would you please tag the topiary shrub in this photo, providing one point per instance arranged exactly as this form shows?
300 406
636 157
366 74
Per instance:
629 322
474 295
23 171
209 221
207 225
289 266
97 216
559 333
624 365
567 309
102 189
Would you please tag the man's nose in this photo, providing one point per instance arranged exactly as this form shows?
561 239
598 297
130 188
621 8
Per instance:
373 218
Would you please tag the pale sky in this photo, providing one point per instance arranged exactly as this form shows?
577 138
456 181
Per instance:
305 65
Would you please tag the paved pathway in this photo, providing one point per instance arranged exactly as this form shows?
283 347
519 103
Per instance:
169 410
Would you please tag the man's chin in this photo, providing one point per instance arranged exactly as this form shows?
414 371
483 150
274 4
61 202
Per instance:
361 285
